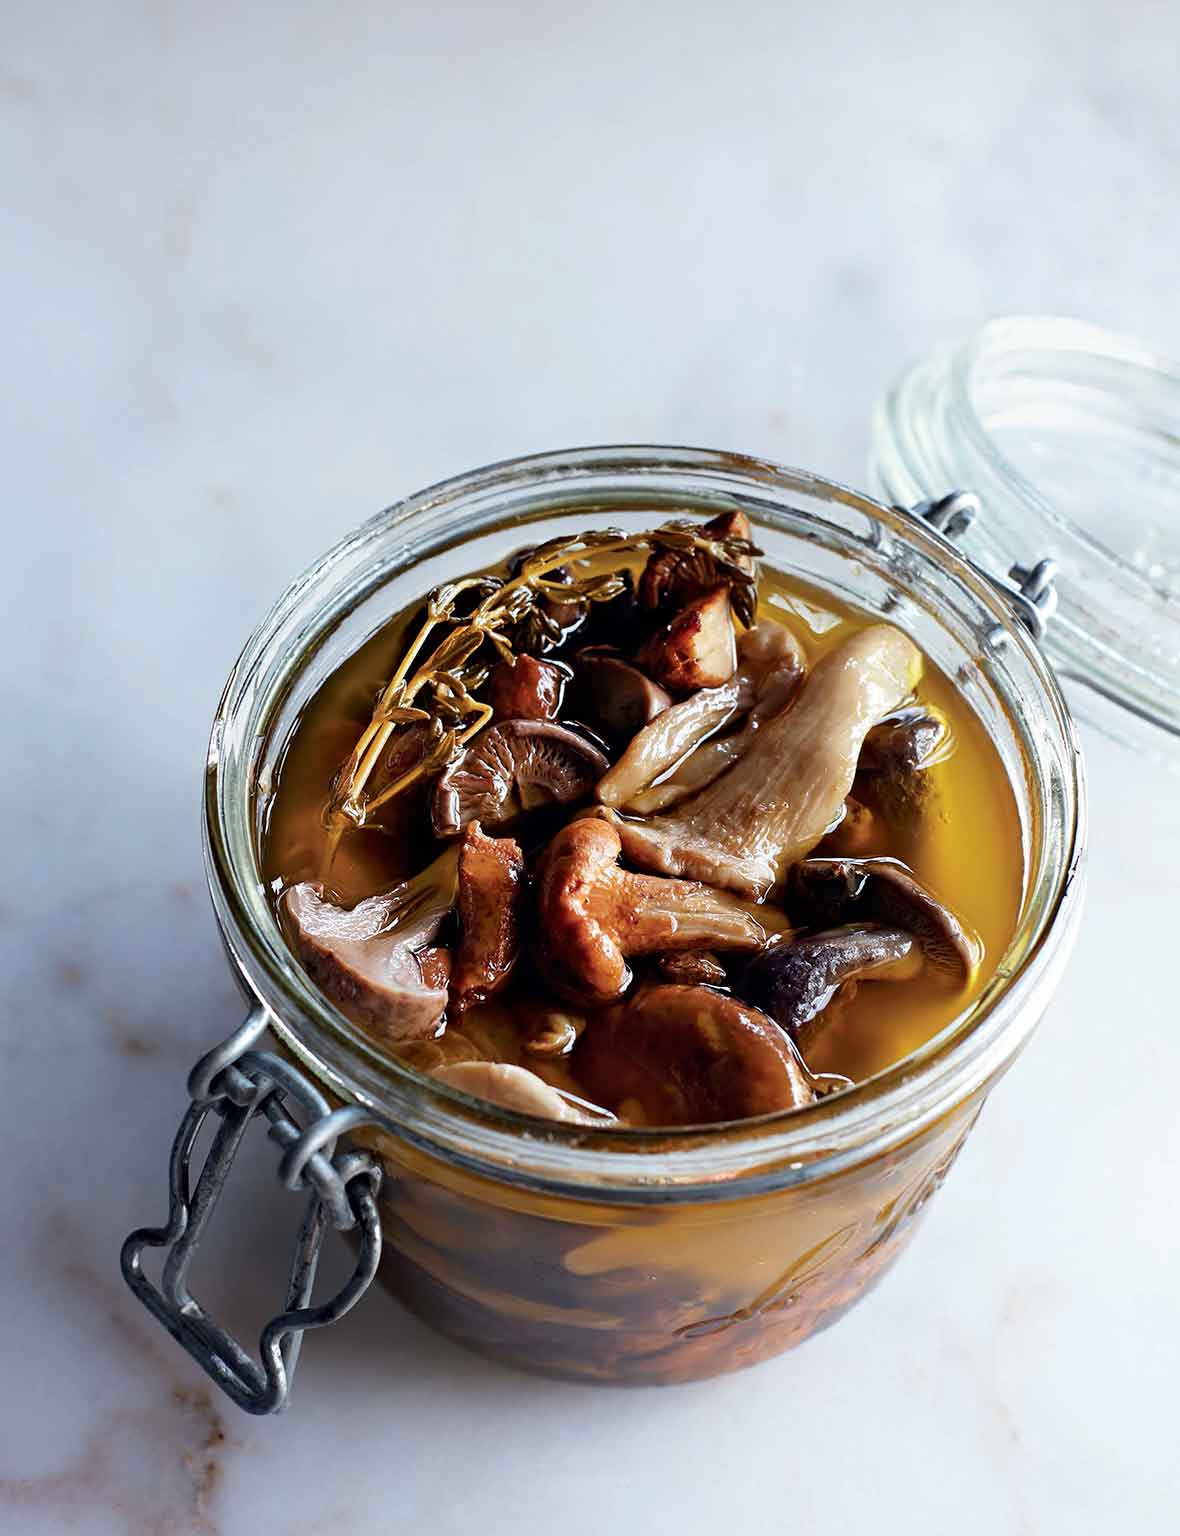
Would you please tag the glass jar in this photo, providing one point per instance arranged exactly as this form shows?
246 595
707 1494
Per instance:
644 1255
1067 433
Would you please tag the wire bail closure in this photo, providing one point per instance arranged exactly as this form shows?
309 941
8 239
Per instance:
1030 589
239 1084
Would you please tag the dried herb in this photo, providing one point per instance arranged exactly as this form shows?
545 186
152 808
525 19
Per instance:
447 660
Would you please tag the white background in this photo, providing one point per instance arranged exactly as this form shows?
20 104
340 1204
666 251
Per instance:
264 269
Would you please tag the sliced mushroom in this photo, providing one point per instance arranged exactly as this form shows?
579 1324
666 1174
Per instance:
364 958
519 1089
770 669
526 689
776 802
693 968
622 699
511 768
689 1056
697 649
491 891
829 891
794 982
671 578
592 914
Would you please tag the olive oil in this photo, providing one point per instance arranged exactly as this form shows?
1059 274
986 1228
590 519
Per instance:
961 837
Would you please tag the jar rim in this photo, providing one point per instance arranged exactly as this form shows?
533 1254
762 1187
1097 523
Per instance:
642 1164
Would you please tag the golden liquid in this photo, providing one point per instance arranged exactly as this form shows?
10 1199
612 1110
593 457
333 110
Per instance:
965 846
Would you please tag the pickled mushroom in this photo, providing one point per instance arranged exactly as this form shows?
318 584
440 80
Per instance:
794 982
847 890
776 802
690 1056
365 958
697 648
592 914
490 894
512 768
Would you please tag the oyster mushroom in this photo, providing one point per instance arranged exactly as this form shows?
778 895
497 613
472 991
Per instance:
777 801
517 1088
770 667
592 915
697 649
526 689
365 958
674 577
832 891
622 699
512 768
689 1056
794 982
491 891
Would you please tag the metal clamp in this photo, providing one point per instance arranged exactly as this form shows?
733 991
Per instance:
238 1084
1030 589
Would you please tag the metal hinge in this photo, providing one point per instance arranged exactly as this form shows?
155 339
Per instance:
1030 589
239 1084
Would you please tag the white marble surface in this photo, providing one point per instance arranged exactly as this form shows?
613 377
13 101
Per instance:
264 269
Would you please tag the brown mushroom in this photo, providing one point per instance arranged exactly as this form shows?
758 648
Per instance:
512 768
519 1089
672 577
697 649
526 689
858 833
775 803
770 668
794 982
592 914
689 1056
364 958
491 891
829 891
621 698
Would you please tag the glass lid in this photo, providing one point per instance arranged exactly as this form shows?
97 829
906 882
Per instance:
1070 436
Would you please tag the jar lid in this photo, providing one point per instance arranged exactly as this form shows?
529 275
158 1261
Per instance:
1070 436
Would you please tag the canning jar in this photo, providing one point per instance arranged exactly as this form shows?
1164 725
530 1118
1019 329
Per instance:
612 1255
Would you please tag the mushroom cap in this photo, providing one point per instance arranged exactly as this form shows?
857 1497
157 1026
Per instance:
624 700
697 649
690 1056
526 689
575 866
833 891
794 982
511 768
370 972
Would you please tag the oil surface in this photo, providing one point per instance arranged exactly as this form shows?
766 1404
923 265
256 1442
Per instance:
962 840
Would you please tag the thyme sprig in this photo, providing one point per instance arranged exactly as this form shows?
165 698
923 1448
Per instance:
438 676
